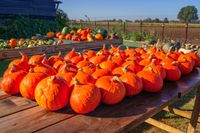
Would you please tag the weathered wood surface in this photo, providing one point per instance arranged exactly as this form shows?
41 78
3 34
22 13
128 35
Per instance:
122 117
14 53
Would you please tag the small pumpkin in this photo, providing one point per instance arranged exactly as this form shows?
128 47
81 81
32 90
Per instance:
173 73
85 98
98 37
196 58
185 66
112 89
152 82
84 62
77 58
57 95
132 83
11 82
129 51
35 59
71 54
108 64
50 34
13 43
119 71
133 65
43 68
89 69
89 53
29 83
55 58
99 72
97 59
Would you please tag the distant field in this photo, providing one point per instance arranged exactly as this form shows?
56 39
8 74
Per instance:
171 31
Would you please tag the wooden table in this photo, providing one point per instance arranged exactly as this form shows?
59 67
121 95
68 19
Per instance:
18 114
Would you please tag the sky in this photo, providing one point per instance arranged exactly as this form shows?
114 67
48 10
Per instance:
125 9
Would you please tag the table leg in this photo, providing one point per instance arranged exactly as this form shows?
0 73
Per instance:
195 113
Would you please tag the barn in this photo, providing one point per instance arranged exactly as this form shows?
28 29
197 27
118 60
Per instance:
35 8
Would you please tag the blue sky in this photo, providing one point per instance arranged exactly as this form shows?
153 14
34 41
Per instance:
125 9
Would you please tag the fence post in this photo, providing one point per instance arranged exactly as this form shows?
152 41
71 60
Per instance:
124 27
141 26
108 25
186 32
163 30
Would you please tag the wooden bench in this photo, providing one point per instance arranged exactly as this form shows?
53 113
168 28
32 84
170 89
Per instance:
18 114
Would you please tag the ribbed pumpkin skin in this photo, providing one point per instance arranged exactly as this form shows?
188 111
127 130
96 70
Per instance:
11 82
132 83
45 69
35 59
152 82
29 83
101 72
53 59
85 98
52 93
185 67
67 76
196 59
172 72
112 91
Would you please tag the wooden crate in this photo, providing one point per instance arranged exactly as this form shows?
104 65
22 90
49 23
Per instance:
14 53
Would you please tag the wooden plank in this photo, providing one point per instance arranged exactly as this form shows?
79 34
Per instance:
14 53
195 114
179 112
32 119
162 126
15 104
130 112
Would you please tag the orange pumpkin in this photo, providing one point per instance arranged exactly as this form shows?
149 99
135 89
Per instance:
99 72
68 37
50 34
58 64
182 57
103 51
89 53
172 71
119 71
85 98
29 83
196 58
43 68
71 54
57 95
132 83
157 68
185 66
129 51
108 64
117 58
98 37
133 65
55 58
11 82
97 59
11 69
35 59
83 63
75 38
112 89
152 82
13 43
89 69
68 67
22 63
77 58
58 34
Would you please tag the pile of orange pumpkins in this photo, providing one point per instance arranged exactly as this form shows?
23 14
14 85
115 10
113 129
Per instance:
84 80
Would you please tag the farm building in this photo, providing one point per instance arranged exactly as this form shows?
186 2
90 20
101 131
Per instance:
36 8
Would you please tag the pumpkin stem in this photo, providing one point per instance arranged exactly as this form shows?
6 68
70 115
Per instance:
76 82
109 57
51 79
125 68
174 63
104 46
127 47
59 54
31 70
153 61
116 78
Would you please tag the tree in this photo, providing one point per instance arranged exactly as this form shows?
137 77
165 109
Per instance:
166 20
156 20
188 14
61 18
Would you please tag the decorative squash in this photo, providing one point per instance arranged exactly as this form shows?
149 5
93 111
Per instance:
22 63
103 51
182 57
152 82
13 43
68 67
98 37
52 93
172 71
58 64
55 58
112 89
117 58
11 69
29 83
83 63
108 64
132 83
97 59
84 98
133 66
129 52
119 71
11 82
77 58
89 53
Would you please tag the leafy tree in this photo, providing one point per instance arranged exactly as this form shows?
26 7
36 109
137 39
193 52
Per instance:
166 20
61 18
156 20
188 14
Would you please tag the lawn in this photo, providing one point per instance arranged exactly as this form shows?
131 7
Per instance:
185 103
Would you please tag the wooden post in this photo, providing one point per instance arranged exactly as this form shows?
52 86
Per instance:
124 27
186 32
162 126
108 24
141 26
195 113
163 30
